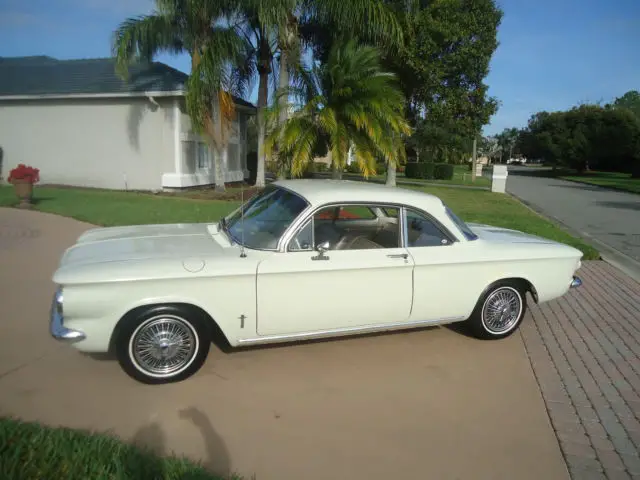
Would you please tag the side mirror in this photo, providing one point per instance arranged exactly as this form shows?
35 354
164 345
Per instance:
323 247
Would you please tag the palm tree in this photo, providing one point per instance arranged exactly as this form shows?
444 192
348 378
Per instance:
347 102
204 30
273 27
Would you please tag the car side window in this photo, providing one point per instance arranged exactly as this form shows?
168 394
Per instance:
423 232
303 240
349 227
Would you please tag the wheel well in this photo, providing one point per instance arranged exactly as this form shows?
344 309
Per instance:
525 284
215 331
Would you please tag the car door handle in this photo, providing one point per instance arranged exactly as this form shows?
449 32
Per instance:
398 255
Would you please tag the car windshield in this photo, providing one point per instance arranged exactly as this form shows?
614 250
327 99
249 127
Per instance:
266 217
464 228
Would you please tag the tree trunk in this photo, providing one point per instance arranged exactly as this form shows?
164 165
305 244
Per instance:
263 92
474 159
391 175
218 169
283 100
336 172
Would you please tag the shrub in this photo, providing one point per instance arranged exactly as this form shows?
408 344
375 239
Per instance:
411 170
423 170
320 167
443 171
23 172
353 168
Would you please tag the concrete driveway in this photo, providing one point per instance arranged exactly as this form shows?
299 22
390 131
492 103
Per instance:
426 404
607 218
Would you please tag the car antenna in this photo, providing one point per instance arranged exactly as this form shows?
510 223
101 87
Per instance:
242 252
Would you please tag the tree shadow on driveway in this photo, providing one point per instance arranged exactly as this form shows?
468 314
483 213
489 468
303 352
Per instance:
623 205
152 439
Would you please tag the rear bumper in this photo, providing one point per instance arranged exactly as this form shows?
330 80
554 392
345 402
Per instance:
56 323
576 282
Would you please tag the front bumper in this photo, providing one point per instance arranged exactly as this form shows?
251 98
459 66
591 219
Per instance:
56 323
576 282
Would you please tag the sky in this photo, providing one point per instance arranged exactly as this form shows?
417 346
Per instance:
553 54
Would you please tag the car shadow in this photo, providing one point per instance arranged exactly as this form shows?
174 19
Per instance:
577 186
150 441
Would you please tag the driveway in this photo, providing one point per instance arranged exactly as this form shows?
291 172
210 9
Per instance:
607 218
426 404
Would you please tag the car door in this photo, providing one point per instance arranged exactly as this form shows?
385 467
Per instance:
354 284
441 272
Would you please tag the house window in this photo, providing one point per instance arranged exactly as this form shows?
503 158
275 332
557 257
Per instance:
204 158
234 160
197 155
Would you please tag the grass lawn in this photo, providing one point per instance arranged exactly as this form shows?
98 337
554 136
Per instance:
618 181
479 206
461 176
30 451
111 208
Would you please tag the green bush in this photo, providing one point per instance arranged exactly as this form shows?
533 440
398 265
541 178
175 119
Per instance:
443 171
353 168
321 167
429 170
30 451
423 170
411 170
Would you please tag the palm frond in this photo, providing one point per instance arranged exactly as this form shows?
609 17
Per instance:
141 38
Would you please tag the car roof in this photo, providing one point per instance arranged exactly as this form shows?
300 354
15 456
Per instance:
321 191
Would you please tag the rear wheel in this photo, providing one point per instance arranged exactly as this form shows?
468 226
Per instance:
163 344
499 311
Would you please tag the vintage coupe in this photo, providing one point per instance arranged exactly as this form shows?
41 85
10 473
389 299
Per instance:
301 259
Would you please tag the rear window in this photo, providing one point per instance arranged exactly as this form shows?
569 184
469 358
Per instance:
464 228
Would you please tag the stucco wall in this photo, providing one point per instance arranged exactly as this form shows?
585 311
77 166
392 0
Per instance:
106 143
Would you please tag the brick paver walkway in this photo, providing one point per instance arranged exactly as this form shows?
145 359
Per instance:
585 351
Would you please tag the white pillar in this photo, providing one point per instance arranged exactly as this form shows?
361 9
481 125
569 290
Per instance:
177 131
499 178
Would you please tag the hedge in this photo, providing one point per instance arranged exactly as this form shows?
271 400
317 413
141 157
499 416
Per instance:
429 170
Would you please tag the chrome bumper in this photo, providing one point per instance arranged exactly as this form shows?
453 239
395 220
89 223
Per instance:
56 327
576 282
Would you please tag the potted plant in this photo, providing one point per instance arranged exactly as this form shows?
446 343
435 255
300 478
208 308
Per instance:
23 177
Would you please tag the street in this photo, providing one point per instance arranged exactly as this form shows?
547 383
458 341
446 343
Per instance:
608 219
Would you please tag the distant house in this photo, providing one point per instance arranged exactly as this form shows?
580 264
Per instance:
82 125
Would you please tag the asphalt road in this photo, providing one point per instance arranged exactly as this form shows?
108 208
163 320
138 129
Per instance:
608 219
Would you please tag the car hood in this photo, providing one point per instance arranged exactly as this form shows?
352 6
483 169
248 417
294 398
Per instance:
505 235
142 242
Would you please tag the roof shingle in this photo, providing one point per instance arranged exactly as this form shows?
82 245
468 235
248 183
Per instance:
43 75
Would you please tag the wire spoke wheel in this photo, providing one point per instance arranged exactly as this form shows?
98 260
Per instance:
163 346
502 310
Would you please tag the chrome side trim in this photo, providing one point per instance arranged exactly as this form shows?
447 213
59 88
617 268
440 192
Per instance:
56 327
576 282
351 330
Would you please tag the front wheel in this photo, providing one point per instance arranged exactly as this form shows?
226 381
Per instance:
499 311
163 344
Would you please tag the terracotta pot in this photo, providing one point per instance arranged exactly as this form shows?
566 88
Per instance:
24 191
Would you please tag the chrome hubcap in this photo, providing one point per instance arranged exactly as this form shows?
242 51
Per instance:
163 346
502 310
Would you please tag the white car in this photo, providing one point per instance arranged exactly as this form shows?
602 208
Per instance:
301 259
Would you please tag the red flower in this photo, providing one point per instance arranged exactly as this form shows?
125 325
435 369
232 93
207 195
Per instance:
23 172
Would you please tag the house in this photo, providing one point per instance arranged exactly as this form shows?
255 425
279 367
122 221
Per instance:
82 125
